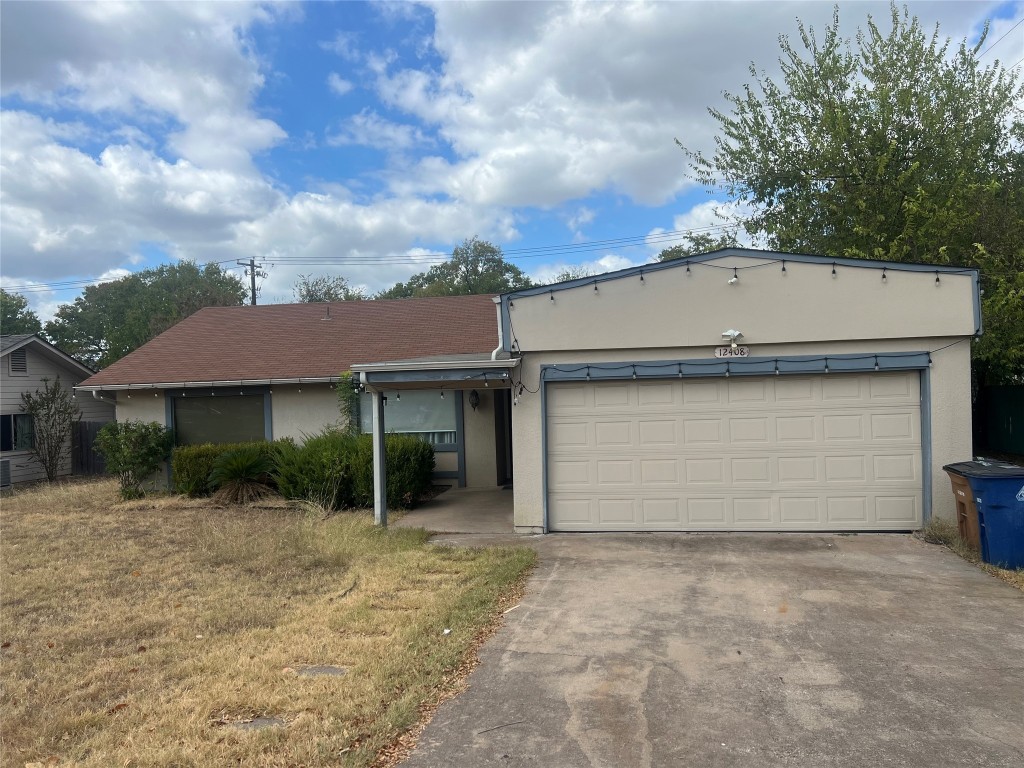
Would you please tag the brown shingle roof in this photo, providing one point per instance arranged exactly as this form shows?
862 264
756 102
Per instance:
289 341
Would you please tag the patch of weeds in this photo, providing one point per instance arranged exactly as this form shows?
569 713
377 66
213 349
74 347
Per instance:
945 533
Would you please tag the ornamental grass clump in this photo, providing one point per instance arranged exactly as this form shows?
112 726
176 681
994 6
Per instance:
241 476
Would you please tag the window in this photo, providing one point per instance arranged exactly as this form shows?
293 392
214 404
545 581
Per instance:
420 412
16 432
219 419
18 361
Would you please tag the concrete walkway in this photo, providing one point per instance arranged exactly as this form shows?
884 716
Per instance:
464 511
744 650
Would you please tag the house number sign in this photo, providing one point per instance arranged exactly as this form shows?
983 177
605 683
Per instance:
732 351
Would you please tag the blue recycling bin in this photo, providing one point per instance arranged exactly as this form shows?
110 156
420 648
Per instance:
998 490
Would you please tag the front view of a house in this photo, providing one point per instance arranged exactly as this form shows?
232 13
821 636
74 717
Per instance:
732 391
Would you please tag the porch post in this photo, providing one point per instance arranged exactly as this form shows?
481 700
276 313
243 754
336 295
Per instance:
380 488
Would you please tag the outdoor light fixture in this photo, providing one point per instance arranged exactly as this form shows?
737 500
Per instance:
735 277
474 399
732 337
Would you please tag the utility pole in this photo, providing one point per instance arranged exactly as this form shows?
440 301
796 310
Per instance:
253 272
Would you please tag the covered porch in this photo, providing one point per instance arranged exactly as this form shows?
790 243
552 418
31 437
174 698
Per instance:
464 511
462 405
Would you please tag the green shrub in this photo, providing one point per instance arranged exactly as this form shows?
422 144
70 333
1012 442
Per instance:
191 465
133 450
240 476
334 470
410 463
318 471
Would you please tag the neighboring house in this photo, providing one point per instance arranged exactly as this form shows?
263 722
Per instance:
619 401
25 360
229 374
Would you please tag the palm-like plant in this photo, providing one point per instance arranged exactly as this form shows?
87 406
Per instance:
240 476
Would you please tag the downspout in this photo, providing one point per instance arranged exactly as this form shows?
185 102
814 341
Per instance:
501 340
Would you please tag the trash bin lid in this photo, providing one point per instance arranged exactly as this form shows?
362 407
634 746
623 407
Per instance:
983 468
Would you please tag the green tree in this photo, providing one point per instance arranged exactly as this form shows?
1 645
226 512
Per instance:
699 242
310 289
110 320
15 316
572 273
476 266
891 146
54 414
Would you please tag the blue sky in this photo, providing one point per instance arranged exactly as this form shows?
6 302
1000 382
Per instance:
367 140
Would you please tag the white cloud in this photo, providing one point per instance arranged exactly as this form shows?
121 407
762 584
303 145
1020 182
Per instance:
368 129
339 86
608 263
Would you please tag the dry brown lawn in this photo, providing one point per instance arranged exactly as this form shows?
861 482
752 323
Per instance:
143 633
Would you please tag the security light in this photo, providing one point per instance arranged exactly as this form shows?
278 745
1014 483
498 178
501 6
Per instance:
732 337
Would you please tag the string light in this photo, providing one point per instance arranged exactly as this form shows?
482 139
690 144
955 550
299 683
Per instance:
687 267
929 360
833 269
680 370
826 365
727 370
641 275
588 373
634 372
595 286
776 367
876 362
937 281
783 266
883 274
398 396
551 295
735 277
442 394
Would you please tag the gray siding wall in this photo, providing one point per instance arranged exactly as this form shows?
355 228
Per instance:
24 468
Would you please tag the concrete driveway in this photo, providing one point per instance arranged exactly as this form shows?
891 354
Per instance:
745 650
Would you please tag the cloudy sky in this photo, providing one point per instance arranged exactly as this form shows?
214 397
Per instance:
367 140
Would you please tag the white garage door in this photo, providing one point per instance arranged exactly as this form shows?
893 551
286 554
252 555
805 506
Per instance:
831 452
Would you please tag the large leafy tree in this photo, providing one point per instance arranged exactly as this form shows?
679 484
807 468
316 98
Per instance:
476 266
15 316
895 146
110 320
312 289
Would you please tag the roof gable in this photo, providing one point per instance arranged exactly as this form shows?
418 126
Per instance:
14 342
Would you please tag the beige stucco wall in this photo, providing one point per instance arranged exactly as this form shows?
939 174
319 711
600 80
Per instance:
950 409
298 414
481 453
671 308
143 405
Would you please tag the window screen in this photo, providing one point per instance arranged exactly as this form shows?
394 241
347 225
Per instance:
421 413
228 419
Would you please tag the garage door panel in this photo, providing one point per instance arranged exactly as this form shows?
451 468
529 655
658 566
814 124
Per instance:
613 433
611 395
831 452
615 472
659 472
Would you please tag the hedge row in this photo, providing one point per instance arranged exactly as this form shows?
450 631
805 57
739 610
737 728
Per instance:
191 465
332 469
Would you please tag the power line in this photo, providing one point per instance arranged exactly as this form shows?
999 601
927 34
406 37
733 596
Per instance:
997 42
427 259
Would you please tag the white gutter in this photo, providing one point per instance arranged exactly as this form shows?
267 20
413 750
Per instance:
200 384
436 365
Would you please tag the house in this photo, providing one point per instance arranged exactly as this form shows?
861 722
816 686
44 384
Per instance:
229 374
25 360
737 390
